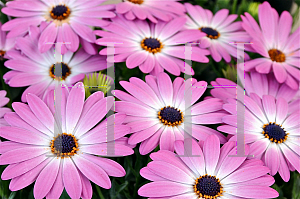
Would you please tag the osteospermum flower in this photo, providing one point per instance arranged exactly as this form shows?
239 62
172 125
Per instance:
3 101
219 29
209 172
67 21
271 132
152 47
37 70
62 153
149 9
156 111
5 44
272 40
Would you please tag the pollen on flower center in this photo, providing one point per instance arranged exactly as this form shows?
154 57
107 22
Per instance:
170 116
208 186
276 55
2 53
136 1
211 33
65 71
274 132
60 12
64 145
151 45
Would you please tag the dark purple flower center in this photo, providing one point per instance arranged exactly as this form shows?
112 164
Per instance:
151 45
275 132
211 33
170 116
65 71
2 53
276 55
64 145
60 12
208 187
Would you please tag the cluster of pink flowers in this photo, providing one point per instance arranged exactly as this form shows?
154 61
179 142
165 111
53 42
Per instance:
65 146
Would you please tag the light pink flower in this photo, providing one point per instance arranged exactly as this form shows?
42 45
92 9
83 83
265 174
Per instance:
152 47
36 70
5 44
3 101
153 10
220 29
156 111
271 130
70 159
67 21
272 40
209 173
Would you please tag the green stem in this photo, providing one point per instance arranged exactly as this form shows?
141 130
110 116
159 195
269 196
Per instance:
233 10
99 192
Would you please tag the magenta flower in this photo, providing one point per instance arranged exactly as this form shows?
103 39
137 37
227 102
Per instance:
255 84
69 159
3 101
67 21
272 40
219 29
149 9
270 130
36 70
5 44
152 47
211 173
156 111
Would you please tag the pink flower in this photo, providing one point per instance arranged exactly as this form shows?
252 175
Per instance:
209 173
3 101
219 29
156 111
271 130
255 84
36 70
152 47
149 9
272 40
67 21
5 44
69 159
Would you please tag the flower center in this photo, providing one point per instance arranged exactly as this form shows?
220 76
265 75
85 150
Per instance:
64 145
208 186
60 12
170 116
211 33
274 132
152 45
2 53
276 55
136 1
66 71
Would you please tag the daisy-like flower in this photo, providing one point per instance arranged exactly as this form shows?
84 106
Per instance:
220 29
5 44
156 111
67 21
149 9
37 70
66 160
3 101
272 40
270 130
152 47
209 173
255 84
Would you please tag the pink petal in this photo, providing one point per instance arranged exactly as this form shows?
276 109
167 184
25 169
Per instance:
92 171
58 185
71 178
101 149
252 191
70 36
87 190
167 63
83 31
211 151
144 134
269 105
46 179
167 139
172 27
133 109
165 87
279 72
151 143
123 7
219 17
48 35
